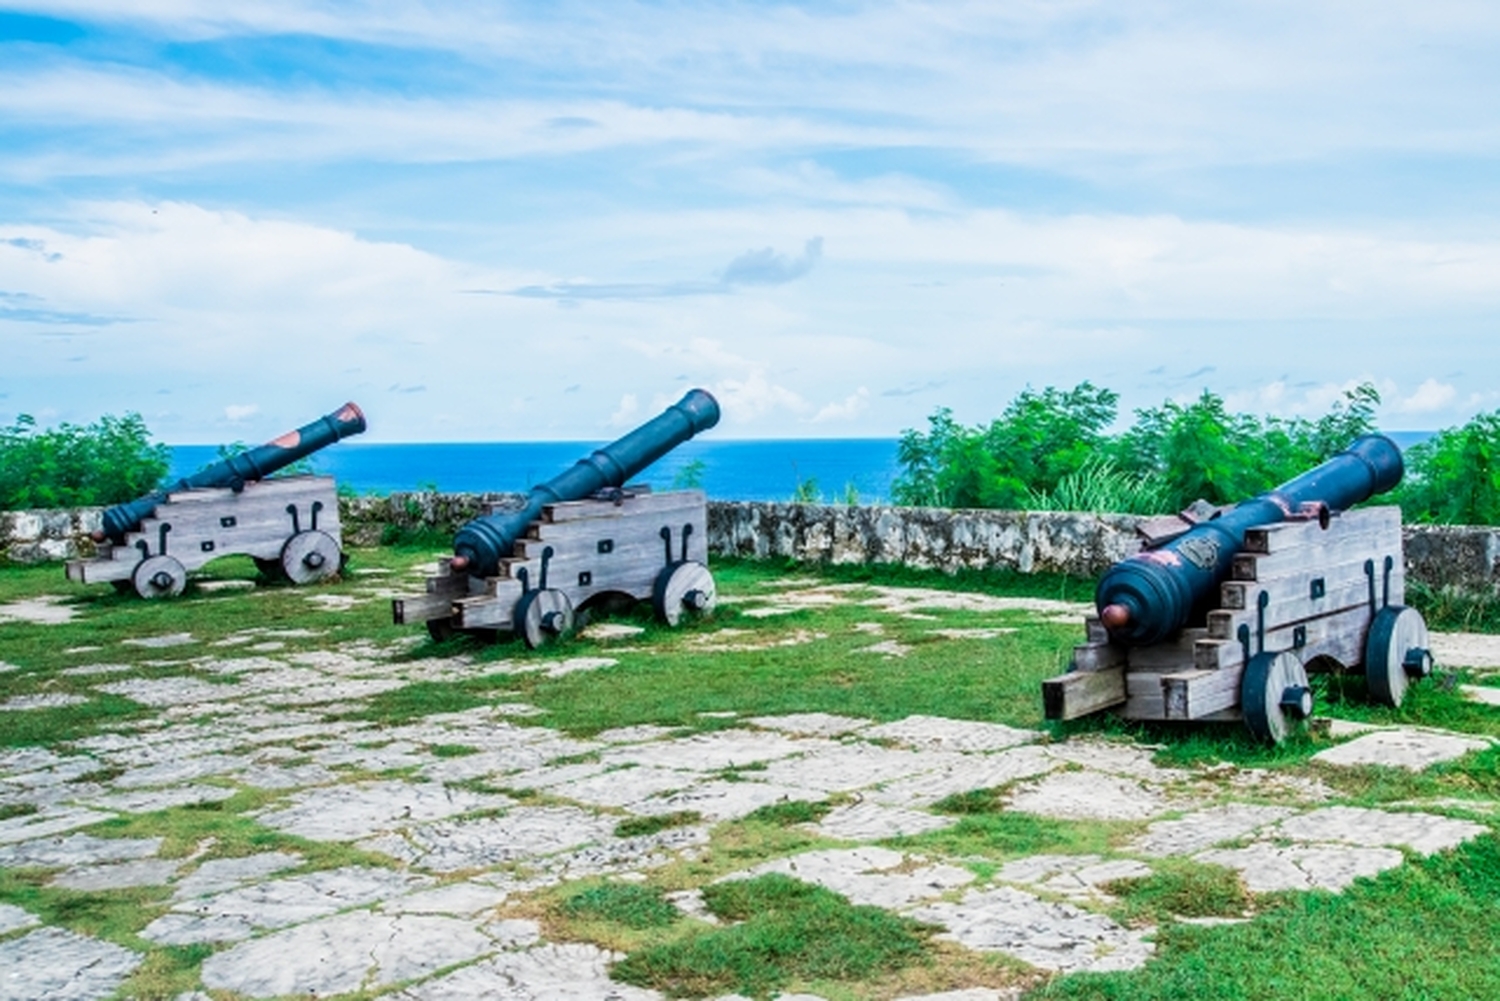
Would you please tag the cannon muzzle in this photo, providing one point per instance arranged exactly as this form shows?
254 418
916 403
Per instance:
479 546
237 470
1150 596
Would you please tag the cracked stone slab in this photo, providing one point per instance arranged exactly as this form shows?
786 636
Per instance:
119 875
1205 828
217 875
344 953
43 610
623 786
52 700
1486 694
525 833
47 823
720 800
13 918
58 965
966 774
1089 796
569 970
1424 833
1405 747
854 766
711 752
236 914
76 850
1052 936
152 800
182 690
459 900
359 810
870 821
177 769
876 876
968 994
811 724
1080 877
1266 867
160 642
935 732
626 856
1118 759
1478 650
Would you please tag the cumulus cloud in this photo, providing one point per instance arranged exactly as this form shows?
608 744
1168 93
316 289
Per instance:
767 267
1430 397
853 405
626 414
237 412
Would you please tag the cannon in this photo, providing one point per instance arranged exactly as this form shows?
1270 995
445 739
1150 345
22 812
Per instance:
289 525
1223 618
581 537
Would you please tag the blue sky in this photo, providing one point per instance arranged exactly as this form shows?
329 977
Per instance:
546 221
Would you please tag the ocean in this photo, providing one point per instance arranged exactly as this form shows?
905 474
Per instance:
761 470
764 470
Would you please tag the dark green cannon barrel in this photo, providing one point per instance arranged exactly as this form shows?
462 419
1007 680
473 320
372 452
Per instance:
479 546
1153 594
237 470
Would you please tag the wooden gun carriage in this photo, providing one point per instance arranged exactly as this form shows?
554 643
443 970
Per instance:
288 525
574 556
1225 620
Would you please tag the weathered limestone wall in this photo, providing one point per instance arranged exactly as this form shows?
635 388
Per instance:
1458 556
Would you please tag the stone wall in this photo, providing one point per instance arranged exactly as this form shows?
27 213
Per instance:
1029 542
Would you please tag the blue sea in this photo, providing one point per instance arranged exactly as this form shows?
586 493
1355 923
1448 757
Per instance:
767 470
764 470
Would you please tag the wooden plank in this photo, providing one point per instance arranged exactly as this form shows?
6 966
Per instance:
1174 655
420 607
1236 594
103 570
587 510
1098 657
1275 538
1094 630
643 545
1329 552
1224 624
1078 693
484 612
1340 634
1190 695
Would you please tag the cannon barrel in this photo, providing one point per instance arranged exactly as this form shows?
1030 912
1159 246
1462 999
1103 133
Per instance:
479 546
1150 596
235 471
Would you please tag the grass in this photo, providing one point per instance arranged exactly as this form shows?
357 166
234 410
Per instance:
1421 931
785 932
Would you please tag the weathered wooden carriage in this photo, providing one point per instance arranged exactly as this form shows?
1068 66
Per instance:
1225 621
573 557
288 525
577 539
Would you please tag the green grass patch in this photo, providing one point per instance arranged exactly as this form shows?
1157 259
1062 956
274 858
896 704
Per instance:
1180 887
788 932
636 827
1422 931
1002 836
452 750
792 811
46 727
633 905
167 972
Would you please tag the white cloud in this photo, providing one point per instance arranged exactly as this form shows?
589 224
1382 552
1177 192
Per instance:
237 412
854 405
1431 396
627 414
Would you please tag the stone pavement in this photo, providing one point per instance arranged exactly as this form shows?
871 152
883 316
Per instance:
433 924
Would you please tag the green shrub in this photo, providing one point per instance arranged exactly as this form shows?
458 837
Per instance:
1454 476
109 461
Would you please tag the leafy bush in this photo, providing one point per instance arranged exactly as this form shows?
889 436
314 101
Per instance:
109 461
1454 476
1049 451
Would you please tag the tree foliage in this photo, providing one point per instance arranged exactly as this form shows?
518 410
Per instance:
109 461
1052 450
1454 476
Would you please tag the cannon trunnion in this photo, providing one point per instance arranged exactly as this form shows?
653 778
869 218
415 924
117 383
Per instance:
288 525
1324 594
572 557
